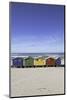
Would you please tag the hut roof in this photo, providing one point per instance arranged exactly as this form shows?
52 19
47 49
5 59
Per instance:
29 58
51 58
39 58
18 58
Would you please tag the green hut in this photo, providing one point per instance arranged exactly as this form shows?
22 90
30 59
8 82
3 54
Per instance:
29 62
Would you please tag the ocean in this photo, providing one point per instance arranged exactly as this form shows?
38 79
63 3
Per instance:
37 54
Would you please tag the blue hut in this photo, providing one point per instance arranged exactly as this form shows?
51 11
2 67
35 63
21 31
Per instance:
18 62
58 61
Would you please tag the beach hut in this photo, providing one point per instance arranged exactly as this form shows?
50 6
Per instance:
50 62
29 62
18 62
40 61
58 61
62 61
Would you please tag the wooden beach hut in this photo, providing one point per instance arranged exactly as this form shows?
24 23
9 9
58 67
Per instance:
18 62
58 62
29 62
40 61
62 61
50 62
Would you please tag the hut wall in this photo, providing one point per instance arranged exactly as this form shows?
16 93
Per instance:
18 62
24 62
50 62
39 62
44 61
62 61
58 61
29 62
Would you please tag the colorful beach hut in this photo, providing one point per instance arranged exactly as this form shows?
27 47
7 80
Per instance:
50 62
62 61
58 61
18 62
40 61
29 62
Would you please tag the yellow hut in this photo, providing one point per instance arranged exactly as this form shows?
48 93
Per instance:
40 61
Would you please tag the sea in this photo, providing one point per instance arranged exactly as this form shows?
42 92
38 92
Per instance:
37 54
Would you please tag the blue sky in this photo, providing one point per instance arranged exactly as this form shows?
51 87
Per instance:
36 28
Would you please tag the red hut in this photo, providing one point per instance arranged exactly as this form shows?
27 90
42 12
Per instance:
50 62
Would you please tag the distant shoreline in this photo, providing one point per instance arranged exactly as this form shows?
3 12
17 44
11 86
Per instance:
37 54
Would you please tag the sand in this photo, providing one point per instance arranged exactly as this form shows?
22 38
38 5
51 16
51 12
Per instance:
37 81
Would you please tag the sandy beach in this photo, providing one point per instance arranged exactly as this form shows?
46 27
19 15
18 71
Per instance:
37 81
